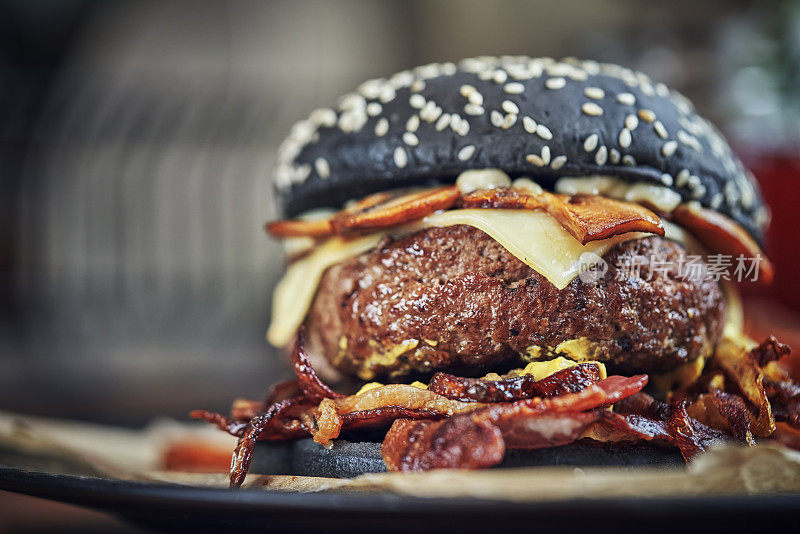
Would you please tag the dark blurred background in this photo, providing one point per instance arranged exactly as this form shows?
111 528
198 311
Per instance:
137 139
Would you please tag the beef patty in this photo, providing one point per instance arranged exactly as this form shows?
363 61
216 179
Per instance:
454 299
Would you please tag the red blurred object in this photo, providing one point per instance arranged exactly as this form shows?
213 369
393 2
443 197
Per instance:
196 457
779 177
776 309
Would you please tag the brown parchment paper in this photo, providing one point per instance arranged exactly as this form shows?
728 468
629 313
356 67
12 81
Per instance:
80 448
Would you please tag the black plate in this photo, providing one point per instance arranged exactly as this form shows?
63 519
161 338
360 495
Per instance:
179 508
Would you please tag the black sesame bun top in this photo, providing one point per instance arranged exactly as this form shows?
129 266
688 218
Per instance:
537 117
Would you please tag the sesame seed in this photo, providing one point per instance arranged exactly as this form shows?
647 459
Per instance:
666 179
497 118
466 90
626 99
302 173
323 117
601 156
662 90
351 121
463 128
417 101
546 154
371 88
594 92
716 200
418 86
467 152
658 126
689 140
412 124
558 162
614 155
402 79
509 121
381 127
475 98
410 139
400 157
510 107
699 191
387 94
535 159
500 76
544 132
529 124
323 168
628 160
555 83
631 122
590 143
455 121
352 101
669 148
373 109
514 88
590 108
625 138
473 109
682 178
443 122
646 115
430 112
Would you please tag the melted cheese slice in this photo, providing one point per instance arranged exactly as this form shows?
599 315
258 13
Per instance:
534 237
295 291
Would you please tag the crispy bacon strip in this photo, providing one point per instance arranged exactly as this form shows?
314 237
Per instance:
723 411
784 396
742 370
283 390
383 416
586 217
289 425
367 203
721 235
479 439
512 389
642 417
770 350
309 382
225 424
300 228
332 414
323 227
457 442
396 211
243 453
475 440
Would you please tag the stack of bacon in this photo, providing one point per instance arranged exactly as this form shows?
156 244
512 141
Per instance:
470 423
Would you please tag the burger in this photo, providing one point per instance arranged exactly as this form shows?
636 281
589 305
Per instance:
515 253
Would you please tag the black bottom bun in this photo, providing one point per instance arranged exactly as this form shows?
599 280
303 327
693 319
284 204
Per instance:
347 459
